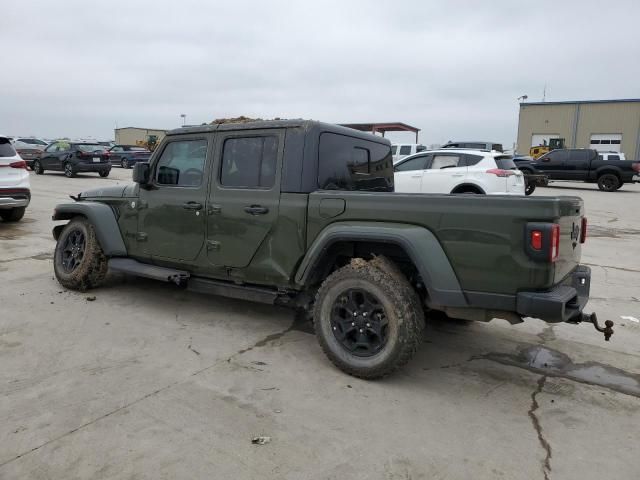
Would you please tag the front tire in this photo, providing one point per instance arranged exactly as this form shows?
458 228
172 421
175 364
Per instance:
13 215
79 262
68 170
609 182
37 167
529 188
124 163
368 320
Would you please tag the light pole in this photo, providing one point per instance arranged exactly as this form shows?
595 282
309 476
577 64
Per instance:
184 118
520 99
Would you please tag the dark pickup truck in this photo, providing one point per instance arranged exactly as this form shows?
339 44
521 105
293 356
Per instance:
303 214
583 165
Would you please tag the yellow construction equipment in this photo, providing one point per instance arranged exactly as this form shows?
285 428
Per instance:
554 144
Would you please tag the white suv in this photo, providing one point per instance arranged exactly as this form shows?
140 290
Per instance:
459 171
15 192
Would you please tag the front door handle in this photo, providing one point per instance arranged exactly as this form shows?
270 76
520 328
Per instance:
256 210
192 206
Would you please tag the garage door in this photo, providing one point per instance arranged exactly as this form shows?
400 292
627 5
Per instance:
542 138
606 142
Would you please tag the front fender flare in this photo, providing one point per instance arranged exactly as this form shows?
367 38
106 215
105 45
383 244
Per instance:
103 220
420 244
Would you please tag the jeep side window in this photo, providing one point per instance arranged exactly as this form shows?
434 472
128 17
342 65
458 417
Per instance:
182 163
249 162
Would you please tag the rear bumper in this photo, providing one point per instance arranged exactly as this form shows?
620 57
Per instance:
92 167
14 197
562 303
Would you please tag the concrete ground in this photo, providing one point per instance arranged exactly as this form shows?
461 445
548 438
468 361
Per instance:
151 382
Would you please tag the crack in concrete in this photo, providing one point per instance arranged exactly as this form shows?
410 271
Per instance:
260 343
39 256
535 421
632 270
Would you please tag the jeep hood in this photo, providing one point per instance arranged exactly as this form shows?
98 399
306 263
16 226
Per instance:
118 191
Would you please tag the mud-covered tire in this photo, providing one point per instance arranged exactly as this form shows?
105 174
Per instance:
91 268
402 309
13 215
609 182
37 167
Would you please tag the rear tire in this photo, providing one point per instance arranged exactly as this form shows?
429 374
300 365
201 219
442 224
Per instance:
609 182
79 262
37 167
104 173
68 170
385 332
13 215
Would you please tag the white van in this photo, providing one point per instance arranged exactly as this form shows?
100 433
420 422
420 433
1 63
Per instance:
401 150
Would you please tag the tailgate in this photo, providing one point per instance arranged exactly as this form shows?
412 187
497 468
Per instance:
570 221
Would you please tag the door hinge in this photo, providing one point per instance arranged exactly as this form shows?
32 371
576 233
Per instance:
213 245
142 236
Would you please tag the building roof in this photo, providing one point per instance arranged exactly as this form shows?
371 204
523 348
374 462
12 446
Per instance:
620 100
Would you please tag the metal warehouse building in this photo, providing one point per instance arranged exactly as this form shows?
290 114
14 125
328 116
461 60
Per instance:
604 125
131 135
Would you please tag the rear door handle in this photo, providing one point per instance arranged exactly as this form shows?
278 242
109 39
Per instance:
192 206
256 210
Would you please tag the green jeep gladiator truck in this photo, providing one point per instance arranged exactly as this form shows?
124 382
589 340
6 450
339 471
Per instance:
303 213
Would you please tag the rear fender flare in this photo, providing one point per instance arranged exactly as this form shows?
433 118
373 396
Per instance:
103 220
420 244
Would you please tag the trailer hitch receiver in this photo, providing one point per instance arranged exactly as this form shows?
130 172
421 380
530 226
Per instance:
608 325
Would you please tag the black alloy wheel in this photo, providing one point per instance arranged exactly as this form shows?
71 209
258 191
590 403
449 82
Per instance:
359 323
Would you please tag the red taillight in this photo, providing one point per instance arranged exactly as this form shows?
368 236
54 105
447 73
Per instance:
555 242
583 230
636 166
536 240
20 164
499 172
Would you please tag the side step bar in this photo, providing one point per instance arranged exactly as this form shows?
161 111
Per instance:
133 267
200 285
231 290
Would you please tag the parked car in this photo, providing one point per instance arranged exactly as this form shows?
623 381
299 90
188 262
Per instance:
459 171
27 151
611 156
71 158
15 191
475 145
402 150
35 142
128 155
294 223
583 165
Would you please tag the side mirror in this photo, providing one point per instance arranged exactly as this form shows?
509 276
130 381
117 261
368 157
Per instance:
141 173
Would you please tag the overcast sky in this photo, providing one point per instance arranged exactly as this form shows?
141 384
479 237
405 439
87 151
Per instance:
453 69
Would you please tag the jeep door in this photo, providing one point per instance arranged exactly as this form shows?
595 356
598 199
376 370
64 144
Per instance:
171 218
244 195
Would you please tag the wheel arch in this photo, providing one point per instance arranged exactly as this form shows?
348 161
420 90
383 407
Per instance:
609 169
103 220
419 245
468 186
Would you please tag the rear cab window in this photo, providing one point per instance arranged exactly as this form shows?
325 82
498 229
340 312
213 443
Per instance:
349 163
